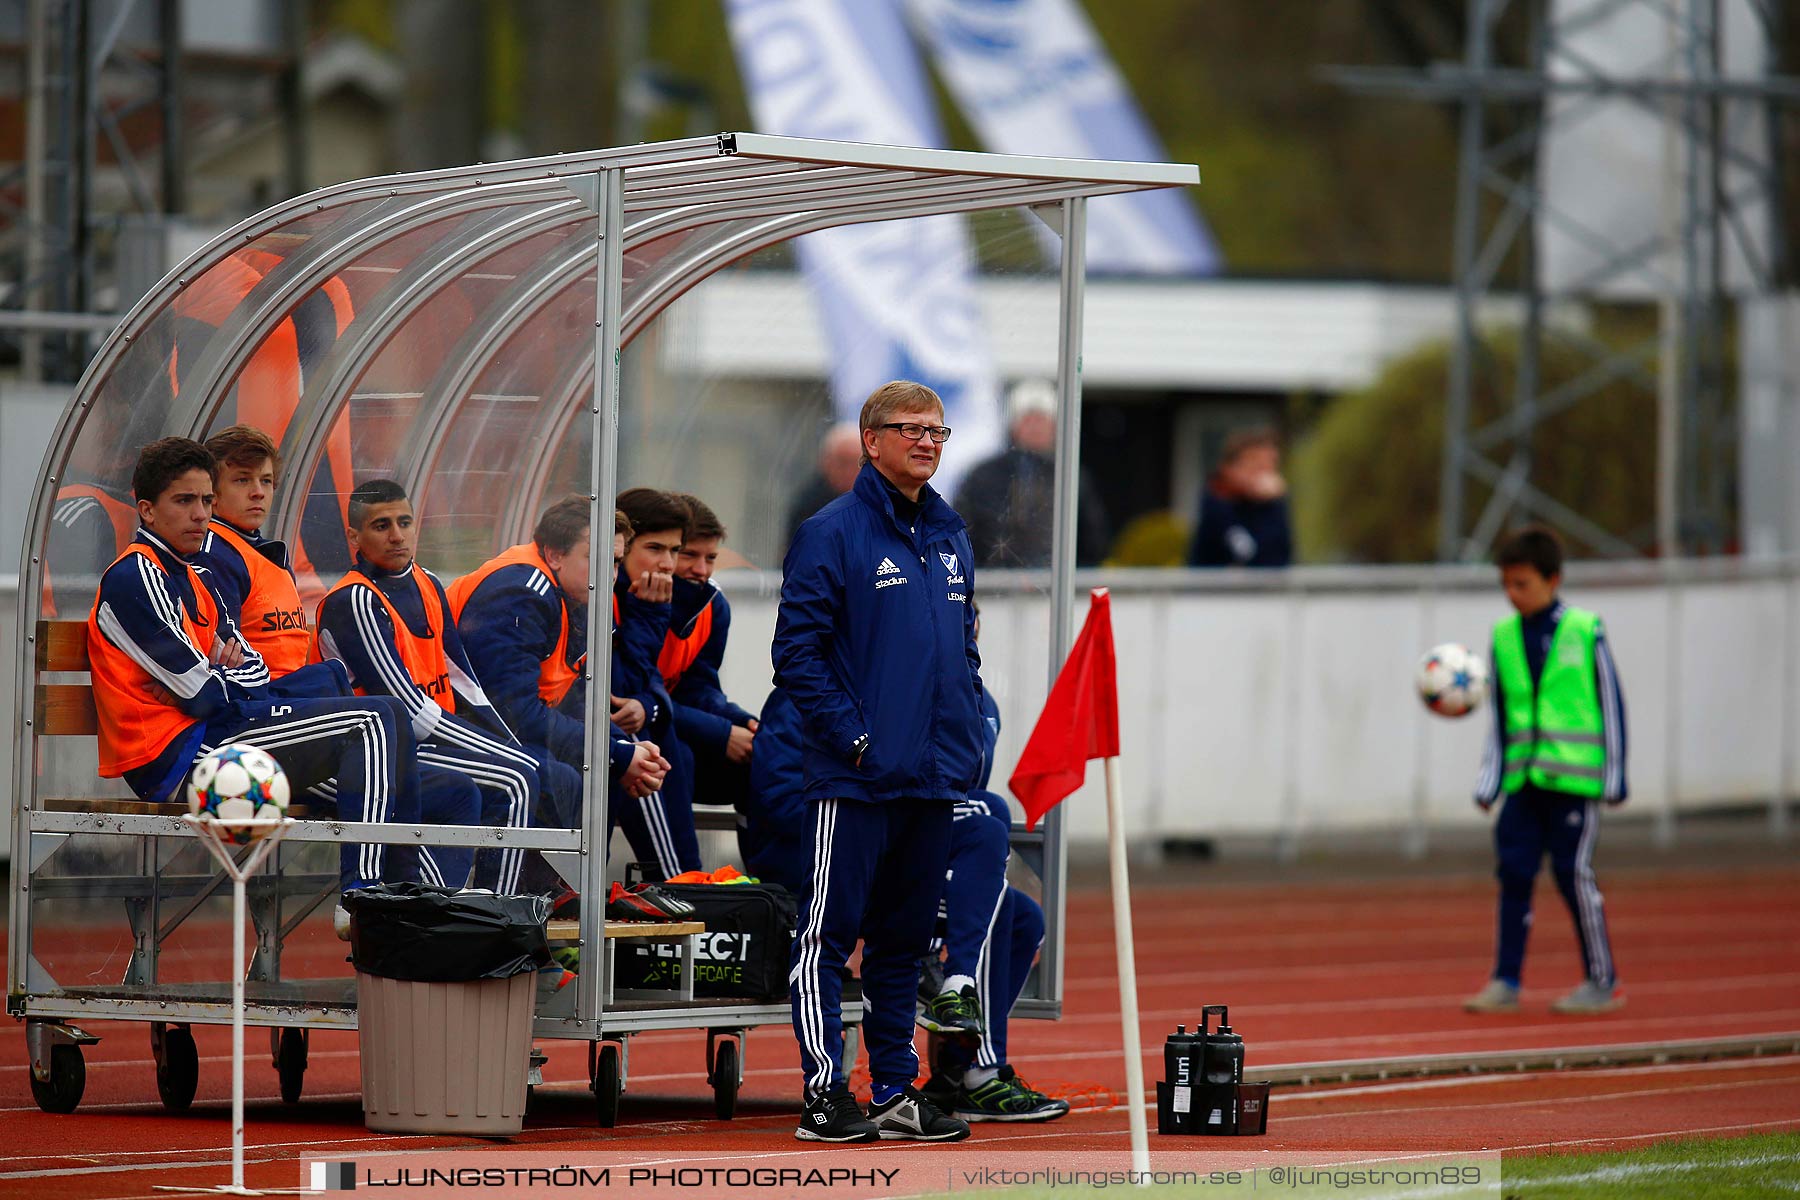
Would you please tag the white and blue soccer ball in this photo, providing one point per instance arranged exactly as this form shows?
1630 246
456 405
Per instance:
236 784
1452 680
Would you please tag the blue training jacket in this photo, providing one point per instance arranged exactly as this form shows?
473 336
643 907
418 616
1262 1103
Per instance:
876 637
509 626
704 714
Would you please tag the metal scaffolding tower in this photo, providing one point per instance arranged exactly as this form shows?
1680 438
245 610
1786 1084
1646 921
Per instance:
1528 71
105 146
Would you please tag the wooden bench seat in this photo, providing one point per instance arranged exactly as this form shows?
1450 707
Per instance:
567 932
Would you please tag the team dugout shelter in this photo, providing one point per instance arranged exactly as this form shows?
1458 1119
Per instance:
493 337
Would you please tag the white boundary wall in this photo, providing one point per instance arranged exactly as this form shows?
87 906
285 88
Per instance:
1282 703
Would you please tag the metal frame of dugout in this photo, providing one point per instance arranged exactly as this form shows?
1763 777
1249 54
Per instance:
650 221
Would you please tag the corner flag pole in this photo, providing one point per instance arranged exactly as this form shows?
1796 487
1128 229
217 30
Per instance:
1080 722
1127 955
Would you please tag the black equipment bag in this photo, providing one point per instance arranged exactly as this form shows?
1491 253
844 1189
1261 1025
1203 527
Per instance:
743 953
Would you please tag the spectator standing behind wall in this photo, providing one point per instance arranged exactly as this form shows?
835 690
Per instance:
1009 500
1244 511
840 458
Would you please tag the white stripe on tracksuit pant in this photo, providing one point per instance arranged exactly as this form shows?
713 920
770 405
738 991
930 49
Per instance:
357 742
508 780
878 874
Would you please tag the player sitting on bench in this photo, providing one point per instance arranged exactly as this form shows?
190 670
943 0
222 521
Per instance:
715 734
173 679
388 620
659 825
522 617
250 572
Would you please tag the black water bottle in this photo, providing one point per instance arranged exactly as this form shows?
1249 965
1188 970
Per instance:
1178 1058
1224 1049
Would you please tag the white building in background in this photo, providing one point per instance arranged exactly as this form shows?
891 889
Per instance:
1184 362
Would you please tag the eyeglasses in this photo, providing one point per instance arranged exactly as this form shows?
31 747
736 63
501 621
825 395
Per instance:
912 431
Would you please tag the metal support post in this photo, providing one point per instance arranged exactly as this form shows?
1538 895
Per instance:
603 483
1070 298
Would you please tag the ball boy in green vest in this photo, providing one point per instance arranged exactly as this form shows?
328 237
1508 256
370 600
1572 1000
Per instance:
1556 752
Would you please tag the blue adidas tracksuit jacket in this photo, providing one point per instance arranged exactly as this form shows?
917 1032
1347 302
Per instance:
509 625
876 638
875 645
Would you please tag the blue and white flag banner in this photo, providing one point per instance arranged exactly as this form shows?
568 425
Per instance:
897 297
1032 78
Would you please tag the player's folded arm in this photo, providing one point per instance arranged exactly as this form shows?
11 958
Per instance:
141 622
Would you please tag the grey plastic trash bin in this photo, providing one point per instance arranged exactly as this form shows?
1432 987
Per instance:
446 985
445 1057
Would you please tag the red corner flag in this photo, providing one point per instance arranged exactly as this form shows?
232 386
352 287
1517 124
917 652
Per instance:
1080 719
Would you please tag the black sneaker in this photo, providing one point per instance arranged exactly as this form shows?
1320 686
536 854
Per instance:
952 1012
645 902
1006 1097
910 1116
566 905
835 1116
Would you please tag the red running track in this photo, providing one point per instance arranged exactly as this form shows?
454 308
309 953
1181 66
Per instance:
1312 972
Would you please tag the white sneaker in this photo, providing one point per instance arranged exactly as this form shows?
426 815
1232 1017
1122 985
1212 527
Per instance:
1498 996
1588 999
340 923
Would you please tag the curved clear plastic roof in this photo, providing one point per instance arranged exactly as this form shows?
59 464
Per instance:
450 315
441 329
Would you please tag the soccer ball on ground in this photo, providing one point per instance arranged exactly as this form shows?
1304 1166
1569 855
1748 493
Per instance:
235 784
1452 681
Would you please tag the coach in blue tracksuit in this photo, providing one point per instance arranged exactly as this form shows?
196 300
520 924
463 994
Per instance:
875 643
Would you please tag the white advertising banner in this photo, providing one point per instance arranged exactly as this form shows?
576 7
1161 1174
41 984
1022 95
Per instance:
896 297
1032 78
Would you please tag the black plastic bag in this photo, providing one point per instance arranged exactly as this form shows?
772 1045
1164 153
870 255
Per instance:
437 935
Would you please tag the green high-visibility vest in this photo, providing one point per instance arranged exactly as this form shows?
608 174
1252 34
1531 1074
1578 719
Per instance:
1554 735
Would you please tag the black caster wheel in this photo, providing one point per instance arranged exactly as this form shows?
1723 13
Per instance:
607 1085
725 1080
290 1064
178 1070
68 1079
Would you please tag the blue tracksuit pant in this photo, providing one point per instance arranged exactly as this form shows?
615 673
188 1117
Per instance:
991 931
361 749
1534 822
877 873
559 790
660 826
777 843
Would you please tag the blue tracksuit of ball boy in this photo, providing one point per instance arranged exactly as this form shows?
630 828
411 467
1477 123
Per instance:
875 643
1535 821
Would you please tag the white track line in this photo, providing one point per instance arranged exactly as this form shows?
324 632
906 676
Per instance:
1666 1133
1621 1172
1109 1048
1289 1094
1348 934
647 1130
1473 961
1451 1002
1547 1101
